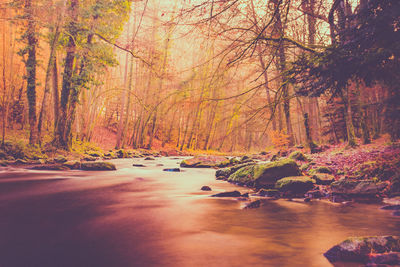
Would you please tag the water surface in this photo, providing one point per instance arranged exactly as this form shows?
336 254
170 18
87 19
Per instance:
147 217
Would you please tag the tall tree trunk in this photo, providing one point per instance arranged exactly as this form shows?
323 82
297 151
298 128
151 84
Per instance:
282 68
56 100
61 138
31 71
47 80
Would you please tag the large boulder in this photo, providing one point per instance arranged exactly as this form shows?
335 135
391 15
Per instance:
354 187
205 162
226 172
295 184
98 166
359 249
265 175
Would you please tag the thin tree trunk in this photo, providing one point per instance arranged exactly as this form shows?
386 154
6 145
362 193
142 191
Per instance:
47 81
56 100
31 71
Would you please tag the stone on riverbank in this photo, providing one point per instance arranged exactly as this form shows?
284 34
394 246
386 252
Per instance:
72 165
98 166
205 162
323 178
297 155
265 175
269 193
295 184
359 249
357 187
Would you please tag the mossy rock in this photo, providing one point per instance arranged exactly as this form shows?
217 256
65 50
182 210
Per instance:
95 154
98 166
226 172
122 154
359 249
110 155
205 162
304 167
3 163
234 161
60 159
265 175
74 165
89 158
323 178
320 169
298 155
295 184
357 187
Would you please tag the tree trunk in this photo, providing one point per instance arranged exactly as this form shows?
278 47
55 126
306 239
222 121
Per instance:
47 80
61 138
351 137
31 71
282 67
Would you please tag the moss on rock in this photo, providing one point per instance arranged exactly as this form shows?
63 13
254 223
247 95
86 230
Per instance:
321 169
98 166
298 155
323 178
265 175
205 162
226 172
295 184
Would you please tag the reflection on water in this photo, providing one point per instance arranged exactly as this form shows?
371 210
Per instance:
147 217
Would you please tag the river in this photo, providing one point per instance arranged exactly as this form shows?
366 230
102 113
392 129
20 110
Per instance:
147 217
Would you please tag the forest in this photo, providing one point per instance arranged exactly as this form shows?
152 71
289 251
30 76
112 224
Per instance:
200 75
199 133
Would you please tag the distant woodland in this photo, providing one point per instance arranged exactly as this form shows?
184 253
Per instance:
225 75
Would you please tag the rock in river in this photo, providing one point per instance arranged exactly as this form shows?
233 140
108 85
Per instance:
228 194
98 166
226 172
172 170
205 162
359 249
205 188
265 175
295 184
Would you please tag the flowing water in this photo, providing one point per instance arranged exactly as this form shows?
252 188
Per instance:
147 217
